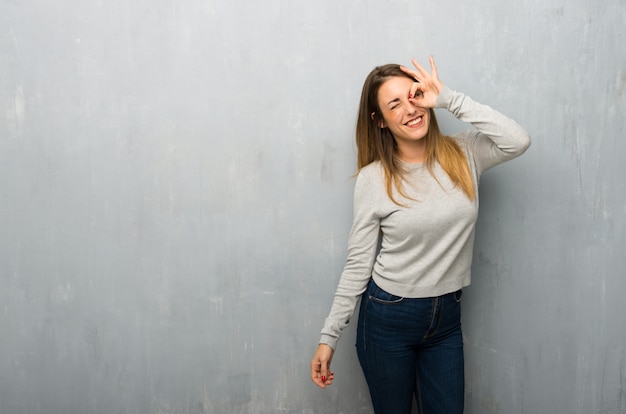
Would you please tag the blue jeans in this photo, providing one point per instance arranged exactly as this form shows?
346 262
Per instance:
412 349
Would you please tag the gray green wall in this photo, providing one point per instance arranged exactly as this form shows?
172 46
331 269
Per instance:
175 185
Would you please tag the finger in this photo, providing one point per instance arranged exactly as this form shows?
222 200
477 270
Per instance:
414 89
315 373
419 68
318 381
328 379
433 67
409 72
325 373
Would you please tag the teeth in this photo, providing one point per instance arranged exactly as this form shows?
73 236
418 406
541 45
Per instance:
415 121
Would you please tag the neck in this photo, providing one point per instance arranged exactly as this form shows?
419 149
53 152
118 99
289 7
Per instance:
414 152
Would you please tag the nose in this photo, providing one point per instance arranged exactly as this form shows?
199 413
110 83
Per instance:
410 108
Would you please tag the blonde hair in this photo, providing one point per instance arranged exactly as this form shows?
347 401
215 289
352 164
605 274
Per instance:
378 144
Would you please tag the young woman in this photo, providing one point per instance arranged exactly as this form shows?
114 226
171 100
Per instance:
410 247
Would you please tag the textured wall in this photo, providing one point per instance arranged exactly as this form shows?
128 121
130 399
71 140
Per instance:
176 189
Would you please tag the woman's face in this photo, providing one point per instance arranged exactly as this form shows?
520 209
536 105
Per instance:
407 122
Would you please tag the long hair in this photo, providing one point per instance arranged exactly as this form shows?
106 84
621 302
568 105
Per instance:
378 144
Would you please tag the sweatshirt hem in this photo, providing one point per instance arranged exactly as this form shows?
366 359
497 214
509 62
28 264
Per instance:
421 291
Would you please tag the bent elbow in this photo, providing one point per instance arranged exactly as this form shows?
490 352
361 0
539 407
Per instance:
525 143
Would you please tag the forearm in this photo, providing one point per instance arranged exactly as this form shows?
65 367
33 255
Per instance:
507 138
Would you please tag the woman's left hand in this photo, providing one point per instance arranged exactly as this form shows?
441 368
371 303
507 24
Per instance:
426 87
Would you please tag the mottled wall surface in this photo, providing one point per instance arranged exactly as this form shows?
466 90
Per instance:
176 191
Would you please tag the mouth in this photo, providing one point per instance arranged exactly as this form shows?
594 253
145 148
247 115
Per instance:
414 122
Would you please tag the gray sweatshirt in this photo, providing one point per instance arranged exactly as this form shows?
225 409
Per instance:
425 246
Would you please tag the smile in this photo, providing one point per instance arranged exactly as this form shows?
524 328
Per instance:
414 122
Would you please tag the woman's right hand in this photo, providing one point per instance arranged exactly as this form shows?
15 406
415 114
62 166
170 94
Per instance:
427 86
320 366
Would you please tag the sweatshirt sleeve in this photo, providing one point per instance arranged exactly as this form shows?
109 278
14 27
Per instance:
497 139
362 245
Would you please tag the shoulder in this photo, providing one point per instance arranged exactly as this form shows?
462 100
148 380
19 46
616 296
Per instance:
370 179
372 172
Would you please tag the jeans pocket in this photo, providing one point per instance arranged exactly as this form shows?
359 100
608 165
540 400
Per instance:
457 295
383 297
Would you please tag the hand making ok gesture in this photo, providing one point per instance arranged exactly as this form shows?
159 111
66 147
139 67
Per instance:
426 87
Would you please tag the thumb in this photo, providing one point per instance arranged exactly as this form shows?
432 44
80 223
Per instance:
324 371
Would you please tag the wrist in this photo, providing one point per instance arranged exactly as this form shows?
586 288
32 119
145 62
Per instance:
444 97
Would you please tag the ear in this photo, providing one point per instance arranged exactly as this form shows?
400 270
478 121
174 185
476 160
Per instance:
381 123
